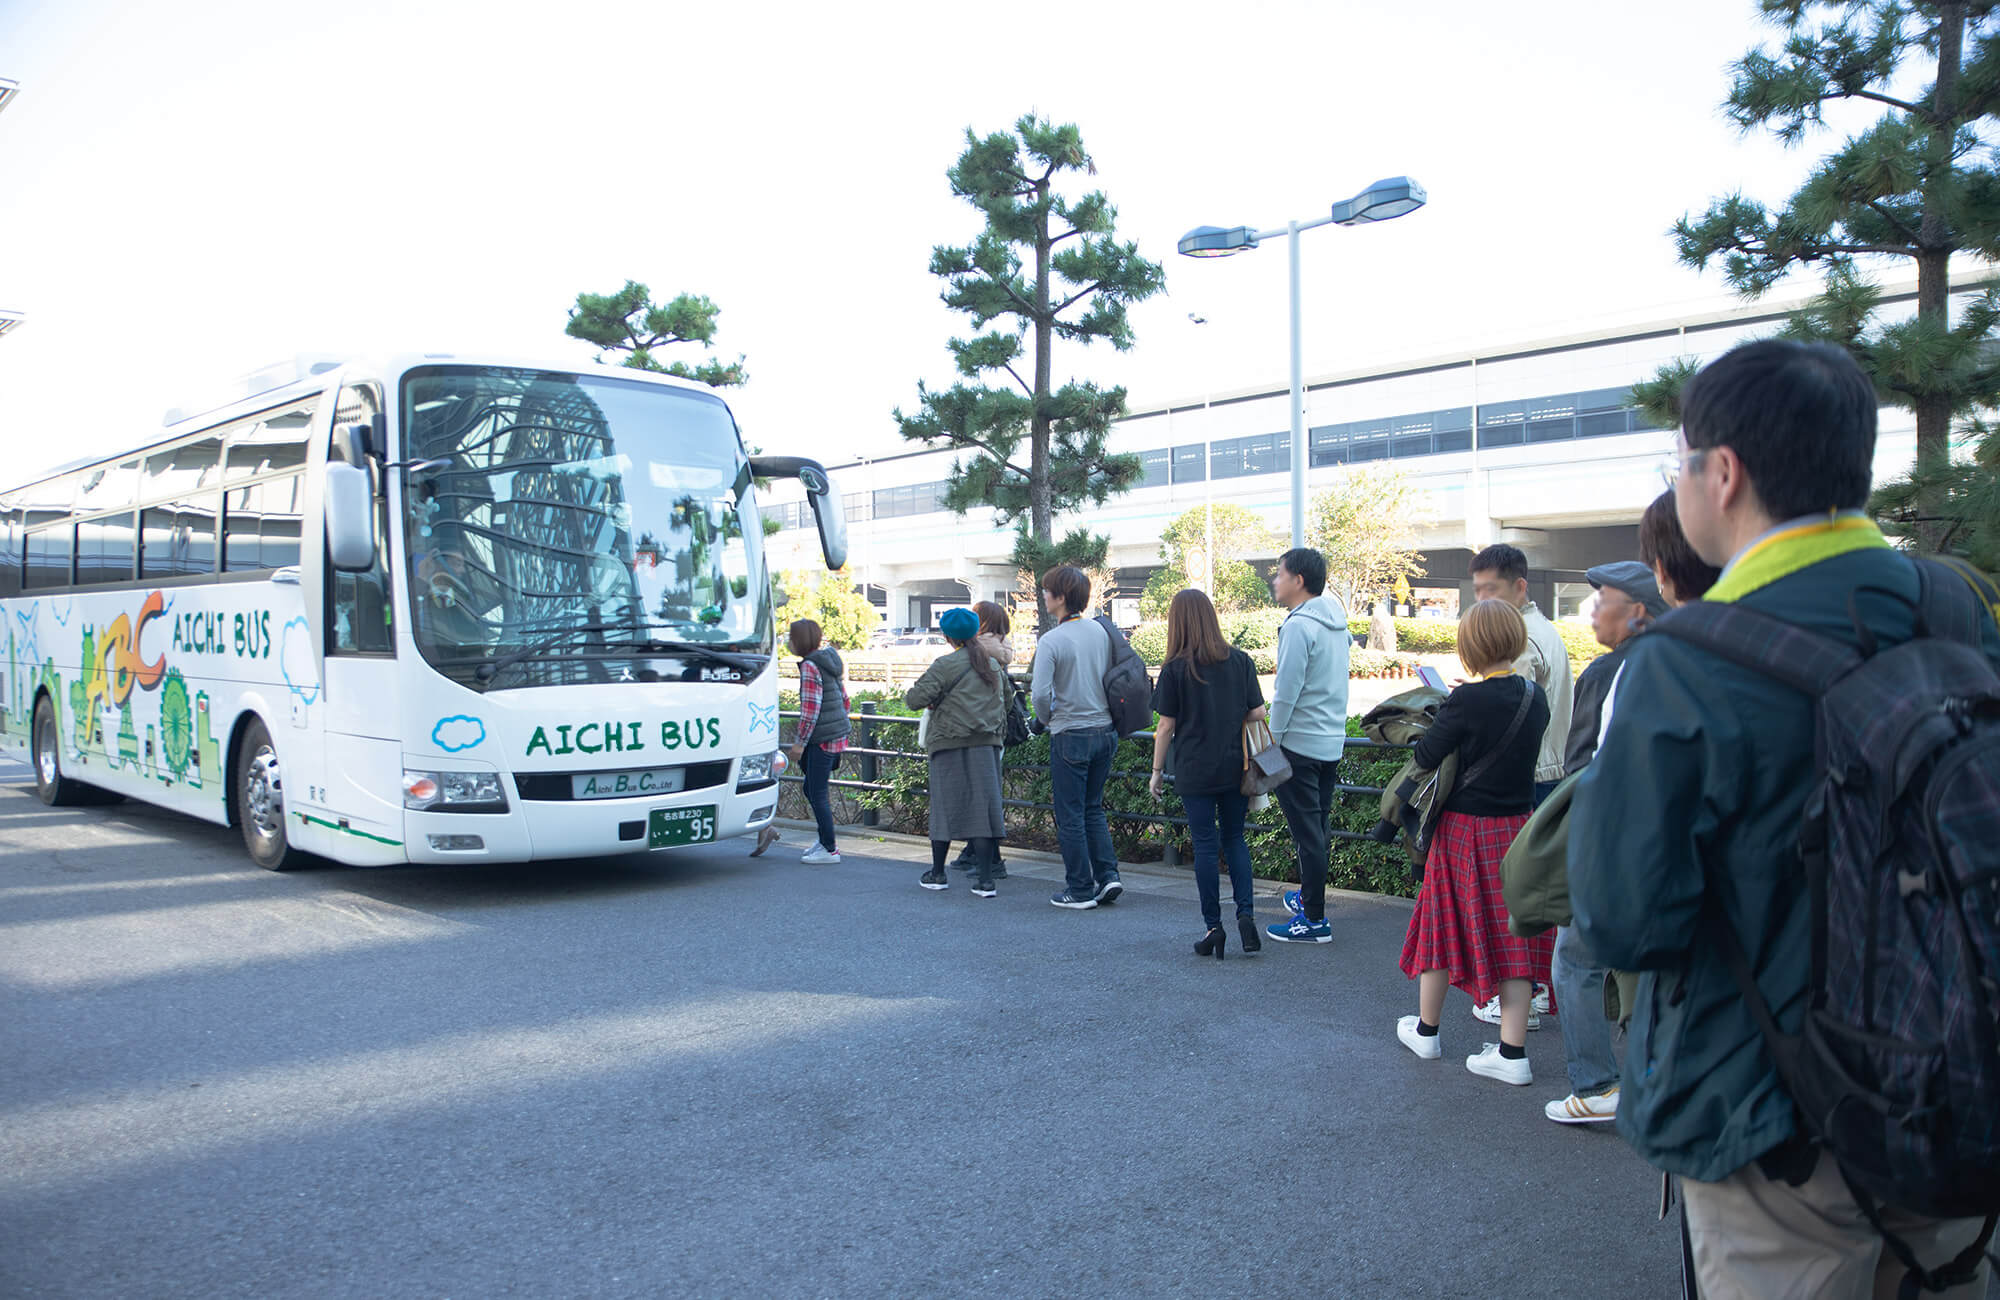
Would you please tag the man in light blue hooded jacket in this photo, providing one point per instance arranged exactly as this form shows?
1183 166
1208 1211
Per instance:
1309 722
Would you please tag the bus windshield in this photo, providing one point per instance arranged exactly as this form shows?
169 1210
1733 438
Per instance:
603 518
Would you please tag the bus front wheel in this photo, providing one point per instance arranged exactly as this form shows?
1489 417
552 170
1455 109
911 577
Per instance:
51 786
260 802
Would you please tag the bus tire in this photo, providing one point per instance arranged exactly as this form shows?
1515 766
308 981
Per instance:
51 786
260 801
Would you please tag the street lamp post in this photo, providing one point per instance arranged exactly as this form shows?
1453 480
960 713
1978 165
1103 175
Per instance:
1382 201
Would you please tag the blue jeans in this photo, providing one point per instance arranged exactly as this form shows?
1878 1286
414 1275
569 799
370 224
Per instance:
1079 763
1543 789
817 768
1579 987
1203 812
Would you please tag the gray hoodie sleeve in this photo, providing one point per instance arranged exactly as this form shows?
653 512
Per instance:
1294 652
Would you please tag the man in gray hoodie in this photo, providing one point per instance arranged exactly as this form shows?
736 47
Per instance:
1309 722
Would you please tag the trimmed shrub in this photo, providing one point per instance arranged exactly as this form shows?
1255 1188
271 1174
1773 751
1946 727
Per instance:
1255 629
1379 663
1150 640
1426 636
1581 643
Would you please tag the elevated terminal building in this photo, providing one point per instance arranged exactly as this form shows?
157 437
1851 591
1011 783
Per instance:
1537 444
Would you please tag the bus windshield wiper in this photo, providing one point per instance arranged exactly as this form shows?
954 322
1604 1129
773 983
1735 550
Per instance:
742 661
491 668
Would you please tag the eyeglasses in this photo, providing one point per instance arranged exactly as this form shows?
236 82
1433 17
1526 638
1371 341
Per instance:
1673 466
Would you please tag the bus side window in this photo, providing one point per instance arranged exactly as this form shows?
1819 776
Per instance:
360 620
49 551
11 545
177 521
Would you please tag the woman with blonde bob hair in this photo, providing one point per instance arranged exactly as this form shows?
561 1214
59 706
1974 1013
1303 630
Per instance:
1208 689
1458 935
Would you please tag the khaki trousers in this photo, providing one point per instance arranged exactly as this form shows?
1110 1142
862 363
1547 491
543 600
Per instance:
1759 1239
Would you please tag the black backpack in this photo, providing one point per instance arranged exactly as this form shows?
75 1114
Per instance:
1896 1066
1128 691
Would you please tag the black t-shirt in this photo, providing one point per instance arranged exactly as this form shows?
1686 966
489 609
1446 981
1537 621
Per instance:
1208 720
1472 721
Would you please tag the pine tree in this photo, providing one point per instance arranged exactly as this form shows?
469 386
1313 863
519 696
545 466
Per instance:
629 321
1919 185
1049 268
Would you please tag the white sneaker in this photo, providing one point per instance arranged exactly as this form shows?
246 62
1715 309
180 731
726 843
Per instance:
1490 1063
1406 1033
1489 1011
819 853
1540 1003
1601 1109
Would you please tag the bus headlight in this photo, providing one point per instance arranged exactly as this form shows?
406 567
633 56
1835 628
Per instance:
454 792
759 768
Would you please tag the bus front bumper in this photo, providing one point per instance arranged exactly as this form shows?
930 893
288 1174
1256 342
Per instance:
531 830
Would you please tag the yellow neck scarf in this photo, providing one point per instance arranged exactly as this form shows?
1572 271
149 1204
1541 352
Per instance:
1785 553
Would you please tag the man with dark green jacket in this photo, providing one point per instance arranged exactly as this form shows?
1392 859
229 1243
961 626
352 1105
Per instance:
1688 818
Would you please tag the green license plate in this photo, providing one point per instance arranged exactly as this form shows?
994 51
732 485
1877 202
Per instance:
667 827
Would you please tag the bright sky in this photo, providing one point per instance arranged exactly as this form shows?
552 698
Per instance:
191 191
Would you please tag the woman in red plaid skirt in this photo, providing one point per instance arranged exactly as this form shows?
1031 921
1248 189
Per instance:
1458 935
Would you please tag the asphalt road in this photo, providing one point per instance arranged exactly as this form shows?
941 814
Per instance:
695 1074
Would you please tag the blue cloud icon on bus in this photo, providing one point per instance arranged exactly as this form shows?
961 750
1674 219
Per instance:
295 660
458 733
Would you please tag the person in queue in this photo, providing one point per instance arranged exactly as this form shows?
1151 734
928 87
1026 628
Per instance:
1207 690
966 693
1458 936
1068 690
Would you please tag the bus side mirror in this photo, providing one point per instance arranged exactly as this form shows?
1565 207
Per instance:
828 511
350 518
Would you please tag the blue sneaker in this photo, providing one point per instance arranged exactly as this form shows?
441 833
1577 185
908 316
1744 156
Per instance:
1300 930
1292 903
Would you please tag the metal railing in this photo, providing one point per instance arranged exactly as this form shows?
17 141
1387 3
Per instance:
862 743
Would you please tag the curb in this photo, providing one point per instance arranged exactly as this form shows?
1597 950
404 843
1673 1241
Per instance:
1145 877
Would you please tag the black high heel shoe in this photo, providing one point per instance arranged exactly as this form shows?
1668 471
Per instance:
1247 927
1214 941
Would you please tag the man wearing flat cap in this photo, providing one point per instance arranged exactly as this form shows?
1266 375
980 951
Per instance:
1627 596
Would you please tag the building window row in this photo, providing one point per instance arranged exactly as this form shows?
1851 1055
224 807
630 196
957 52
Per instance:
1595 414
1599 413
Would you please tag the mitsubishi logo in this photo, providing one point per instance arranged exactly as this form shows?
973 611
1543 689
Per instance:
625 675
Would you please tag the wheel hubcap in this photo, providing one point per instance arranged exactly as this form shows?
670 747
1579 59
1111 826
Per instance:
45 748
264 795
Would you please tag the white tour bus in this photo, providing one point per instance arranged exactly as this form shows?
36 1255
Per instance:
425 610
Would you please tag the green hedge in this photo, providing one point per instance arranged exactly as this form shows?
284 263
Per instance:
1378 663
1363 866
1150 640
1255 629
1582 645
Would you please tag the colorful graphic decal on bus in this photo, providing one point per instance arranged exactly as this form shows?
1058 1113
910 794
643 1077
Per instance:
763 717
120 664
458 733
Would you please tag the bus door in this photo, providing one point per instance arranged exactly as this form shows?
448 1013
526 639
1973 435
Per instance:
362 709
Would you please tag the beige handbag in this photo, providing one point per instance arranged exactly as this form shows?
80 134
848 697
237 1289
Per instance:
1265 766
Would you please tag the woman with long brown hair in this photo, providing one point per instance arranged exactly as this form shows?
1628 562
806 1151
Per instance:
1207 690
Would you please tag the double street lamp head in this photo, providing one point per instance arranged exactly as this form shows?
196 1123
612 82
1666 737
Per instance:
1385 200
